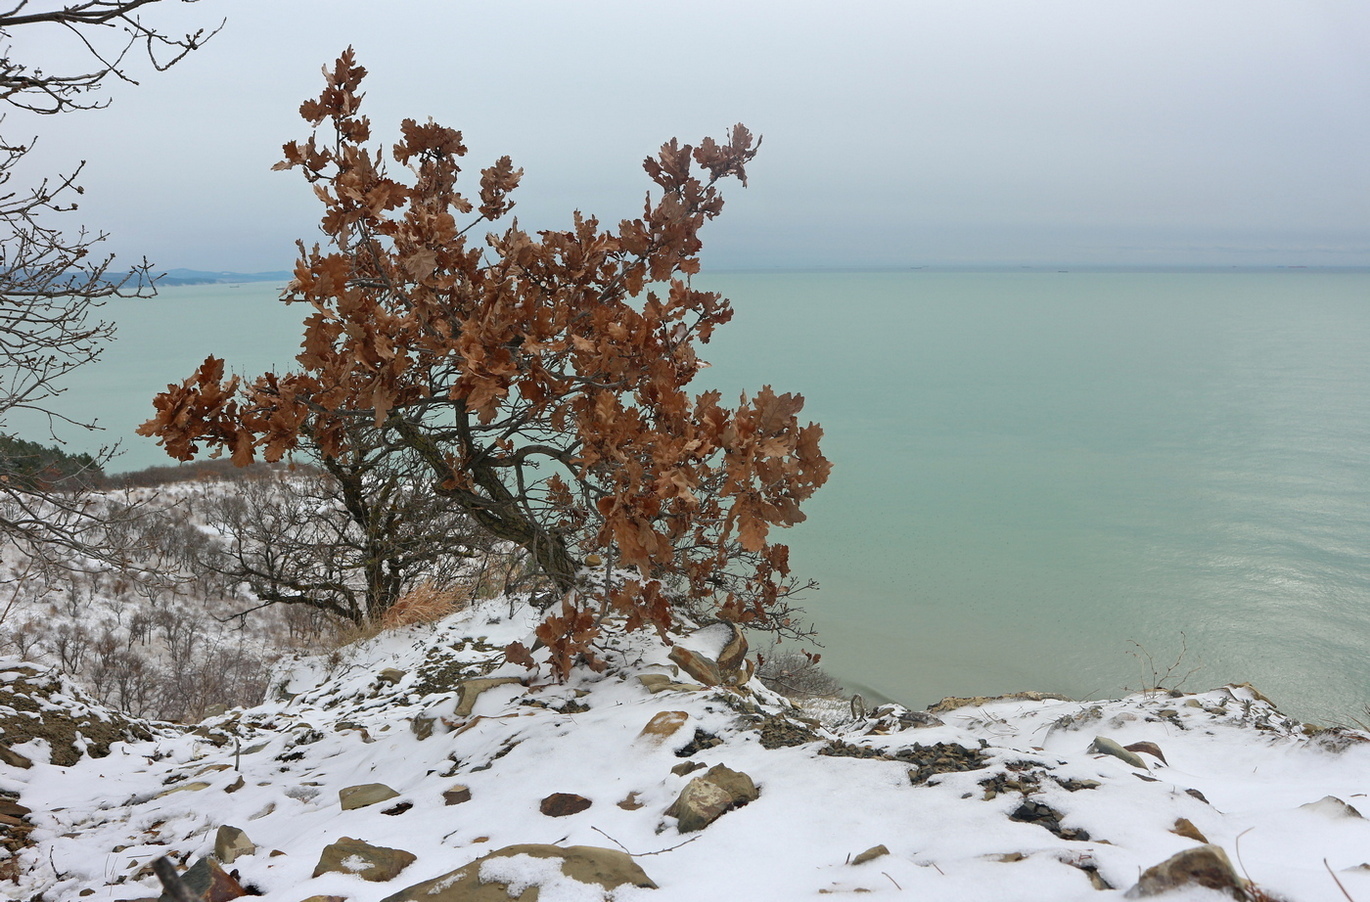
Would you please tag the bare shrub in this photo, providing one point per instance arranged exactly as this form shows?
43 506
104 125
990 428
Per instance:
796 674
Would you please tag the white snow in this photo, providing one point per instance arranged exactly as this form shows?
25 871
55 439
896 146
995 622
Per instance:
1267 785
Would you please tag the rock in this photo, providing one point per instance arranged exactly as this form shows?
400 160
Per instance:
1255 693
951 703
705 799
208 882
1205 865
734 653
663 724
606 868
236 784
184 787
870 854
364 794
686 767
353 856
1150 748
325 899
1049 818
390 676
471 690
1102 745
1332 807
457 794
696 665
660 682
422 726
630 803
562 804
230 843
1185 827
14 759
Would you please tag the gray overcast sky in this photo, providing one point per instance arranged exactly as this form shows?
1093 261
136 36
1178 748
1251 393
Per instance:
896 133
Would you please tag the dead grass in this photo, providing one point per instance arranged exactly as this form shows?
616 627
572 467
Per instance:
424 604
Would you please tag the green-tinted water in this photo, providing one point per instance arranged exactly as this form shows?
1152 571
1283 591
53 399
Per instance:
1032 470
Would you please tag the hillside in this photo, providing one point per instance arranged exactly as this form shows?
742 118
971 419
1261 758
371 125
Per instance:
417 763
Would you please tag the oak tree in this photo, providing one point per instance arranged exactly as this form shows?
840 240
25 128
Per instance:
541 379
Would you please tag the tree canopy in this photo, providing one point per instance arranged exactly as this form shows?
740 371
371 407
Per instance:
541 379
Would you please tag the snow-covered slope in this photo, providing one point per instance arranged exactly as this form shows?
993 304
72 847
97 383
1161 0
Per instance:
1001 800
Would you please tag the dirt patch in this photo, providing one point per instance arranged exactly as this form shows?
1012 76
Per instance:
38 706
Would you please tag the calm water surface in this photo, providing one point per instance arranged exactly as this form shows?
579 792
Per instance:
1036 473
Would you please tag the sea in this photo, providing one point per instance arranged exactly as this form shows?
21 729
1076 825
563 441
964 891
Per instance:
1075 482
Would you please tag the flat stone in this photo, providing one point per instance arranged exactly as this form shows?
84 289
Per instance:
230 843
660 682
1102 745
1150 748
184 787
562 804
663 724
606 868
390 675
871 854
1332 807
951 703
457 794
1205 865
696 665
471 690
630 803
364 794
1185 827
376 864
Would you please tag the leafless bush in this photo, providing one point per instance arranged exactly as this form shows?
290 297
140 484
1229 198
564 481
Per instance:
796 674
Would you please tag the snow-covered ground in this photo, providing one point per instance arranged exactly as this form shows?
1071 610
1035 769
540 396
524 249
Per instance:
1002 800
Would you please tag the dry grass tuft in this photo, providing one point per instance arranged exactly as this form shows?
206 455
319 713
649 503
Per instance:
424 604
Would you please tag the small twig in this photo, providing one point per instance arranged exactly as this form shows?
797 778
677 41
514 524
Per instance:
939 870
896 882
1336 881
643 854
171 881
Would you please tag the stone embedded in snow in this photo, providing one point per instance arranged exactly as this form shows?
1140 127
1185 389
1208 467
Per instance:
1185 827
422 726
364 794
14 759
208 882
1102 745
1331 806
184 787
705 799
390 675
871 854
325 899
561 804
354 856
606 868
660 682
663 724
696 665
471 690
230 843
630 803
456 794
1150 748
1206 865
